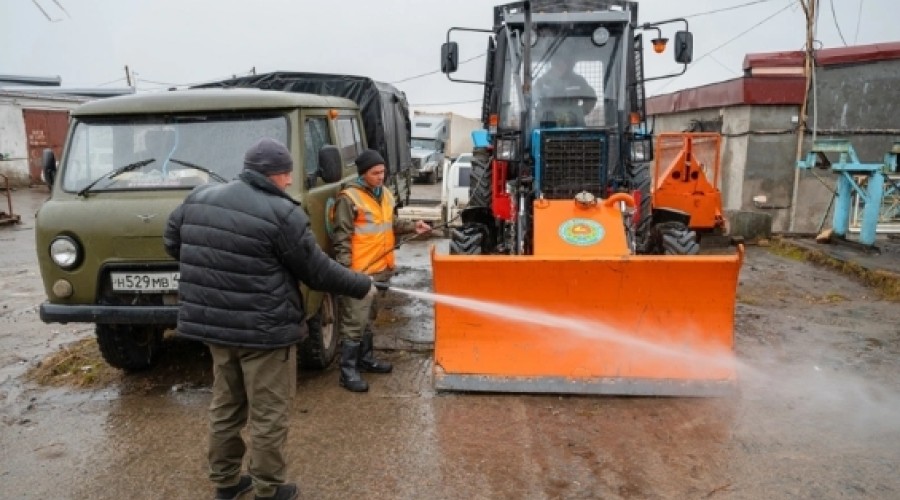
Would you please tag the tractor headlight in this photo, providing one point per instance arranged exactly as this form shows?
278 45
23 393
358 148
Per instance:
65 252
507 149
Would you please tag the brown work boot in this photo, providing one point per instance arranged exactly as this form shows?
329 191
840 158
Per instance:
288 491
367 361
244 485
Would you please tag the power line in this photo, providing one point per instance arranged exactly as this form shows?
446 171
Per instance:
445 103
724 9
751 28
435 71
858 18
836 25
109 82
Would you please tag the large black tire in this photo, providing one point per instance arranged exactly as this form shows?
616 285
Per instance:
467 240
675 238
318 349
480 179
639 175
132 348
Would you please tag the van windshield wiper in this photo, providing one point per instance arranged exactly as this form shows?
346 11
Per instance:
198 167
115 173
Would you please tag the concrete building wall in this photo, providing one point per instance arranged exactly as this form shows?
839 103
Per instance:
13 137
857 102
13 144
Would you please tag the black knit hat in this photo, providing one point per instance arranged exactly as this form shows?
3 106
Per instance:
368 159
268 157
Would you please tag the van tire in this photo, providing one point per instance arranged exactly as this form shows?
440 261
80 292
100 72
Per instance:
132 348
317 350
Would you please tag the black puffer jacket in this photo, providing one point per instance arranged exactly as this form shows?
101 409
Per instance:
243 247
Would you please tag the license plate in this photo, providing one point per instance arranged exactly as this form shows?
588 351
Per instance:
145 282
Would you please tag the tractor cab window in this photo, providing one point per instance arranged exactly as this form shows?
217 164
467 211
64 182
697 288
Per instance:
575 82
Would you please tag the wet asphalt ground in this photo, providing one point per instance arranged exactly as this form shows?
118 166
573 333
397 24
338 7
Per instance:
814 416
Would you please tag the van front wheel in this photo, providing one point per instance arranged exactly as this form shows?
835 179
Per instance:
317 350
131 348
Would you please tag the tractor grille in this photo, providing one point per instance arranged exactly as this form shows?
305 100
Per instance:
417 163
572 162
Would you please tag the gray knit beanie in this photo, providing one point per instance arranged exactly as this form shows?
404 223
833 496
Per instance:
368 159
268 157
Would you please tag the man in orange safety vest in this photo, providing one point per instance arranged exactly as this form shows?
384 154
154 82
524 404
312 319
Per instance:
364 228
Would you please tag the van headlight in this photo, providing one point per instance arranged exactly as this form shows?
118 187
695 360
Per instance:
65 252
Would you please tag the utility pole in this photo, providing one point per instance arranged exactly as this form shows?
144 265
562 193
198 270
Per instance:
810 9
127 75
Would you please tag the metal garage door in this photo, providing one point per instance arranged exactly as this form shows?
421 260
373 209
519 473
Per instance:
45 129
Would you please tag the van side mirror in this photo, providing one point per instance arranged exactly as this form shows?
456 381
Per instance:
684 47
48 166
449 57
331 167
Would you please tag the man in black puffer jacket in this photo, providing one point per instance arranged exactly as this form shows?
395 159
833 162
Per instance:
243 248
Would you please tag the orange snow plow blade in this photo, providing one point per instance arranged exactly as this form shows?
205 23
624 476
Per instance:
602 324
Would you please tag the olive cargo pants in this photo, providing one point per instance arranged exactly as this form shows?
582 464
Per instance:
355 316
251 387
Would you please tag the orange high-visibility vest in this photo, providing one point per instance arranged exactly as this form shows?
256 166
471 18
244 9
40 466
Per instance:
373 233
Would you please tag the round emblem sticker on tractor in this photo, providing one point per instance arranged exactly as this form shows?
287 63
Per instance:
581 232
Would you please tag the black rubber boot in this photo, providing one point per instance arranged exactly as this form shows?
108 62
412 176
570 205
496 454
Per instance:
288 491
244 485
350 378
367 361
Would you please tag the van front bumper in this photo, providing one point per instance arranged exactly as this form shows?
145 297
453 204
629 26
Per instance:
98 313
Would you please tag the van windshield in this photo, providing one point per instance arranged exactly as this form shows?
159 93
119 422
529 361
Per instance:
175 152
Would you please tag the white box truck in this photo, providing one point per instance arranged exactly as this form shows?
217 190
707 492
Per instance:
437 140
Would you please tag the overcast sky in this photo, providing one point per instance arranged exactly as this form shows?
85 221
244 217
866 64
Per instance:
179 42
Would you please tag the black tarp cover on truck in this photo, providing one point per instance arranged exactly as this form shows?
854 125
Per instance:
385 111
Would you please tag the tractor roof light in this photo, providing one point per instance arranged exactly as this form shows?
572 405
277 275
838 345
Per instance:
659 45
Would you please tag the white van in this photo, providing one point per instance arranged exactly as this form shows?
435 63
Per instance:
454 197
455 191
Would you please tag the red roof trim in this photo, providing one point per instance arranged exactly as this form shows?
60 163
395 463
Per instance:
739 91
825 57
